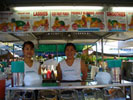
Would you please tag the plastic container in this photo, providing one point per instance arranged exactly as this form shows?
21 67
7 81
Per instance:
113 93
103 78
2 85
29 95
68 95
115 66
116 75
17 95
93 94
47 95
23 95
18 79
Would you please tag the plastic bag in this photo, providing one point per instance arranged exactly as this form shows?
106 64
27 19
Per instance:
32 79
103 78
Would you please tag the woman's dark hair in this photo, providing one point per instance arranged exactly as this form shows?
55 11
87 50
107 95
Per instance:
70 44
29 43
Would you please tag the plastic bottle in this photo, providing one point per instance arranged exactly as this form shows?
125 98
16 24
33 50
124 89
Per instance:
45 74
48 73
52 73
100 68
42 69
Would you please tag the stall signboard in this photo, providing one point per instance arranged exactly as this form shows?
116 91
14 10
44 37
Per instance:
60 21
6 25
40 21
23 21
87 21
65 21
116 21
130 21
15 22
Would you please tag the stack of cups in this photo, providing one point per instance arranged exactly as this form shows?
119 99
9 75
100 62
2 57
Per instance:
115 66
17 69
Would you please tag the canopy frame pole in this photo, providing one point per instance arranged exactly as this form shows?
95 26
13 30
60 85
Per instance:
96 55
57 51
118 53
102 49
13 51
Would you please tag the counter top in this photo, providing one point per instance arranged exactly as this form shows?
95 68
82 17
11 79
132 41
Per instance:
71 85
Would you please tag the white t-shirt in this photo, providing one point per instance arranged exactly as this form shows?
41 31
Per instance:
34 67
94 70
71 72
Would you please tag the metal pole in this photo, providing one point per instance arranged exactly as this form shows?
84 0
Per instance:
118 53
57 51
96 55
131 92
13 52
102 50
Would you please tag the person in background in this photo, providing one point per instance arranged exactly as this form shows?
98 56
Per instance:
94 70
51 61
30 65
71 68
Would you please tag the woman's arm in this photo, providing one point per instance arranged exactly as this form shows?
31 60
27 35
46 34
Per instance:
83 70
39 70
59 73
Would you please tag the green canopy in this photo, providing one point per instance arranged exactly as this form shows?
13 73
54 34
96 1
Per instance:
60 47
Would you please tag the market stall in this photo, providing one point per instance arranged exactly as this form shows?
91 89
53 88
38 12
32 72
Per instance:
59 26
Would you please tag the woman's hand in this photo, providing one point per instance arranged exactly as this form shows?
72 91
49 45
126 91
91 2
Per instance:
39 70
59 73
83 70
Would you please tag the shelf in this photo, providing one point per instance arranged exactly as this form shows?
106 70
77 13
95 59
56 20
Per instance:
68 85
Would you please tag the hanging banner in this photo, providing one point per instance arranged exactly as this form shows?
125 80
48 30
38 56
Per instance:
15 22
40 21
23 21
116 21
60 21
5 22
65 21
130 21
87 21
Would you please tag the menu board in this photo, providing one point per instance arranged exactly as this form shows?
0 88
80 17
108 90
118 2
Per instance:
60 21
130 21
5 22
40 21
15 22
65 21
23 21
116 21
87 21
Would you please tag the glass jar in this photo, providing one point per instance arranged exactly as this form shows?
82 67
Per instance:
68 95
114 93
93 94
23 95
47 95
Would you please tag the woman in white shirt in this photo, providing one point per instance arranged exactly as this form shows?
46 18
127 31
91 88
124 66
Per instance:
30 65
70 69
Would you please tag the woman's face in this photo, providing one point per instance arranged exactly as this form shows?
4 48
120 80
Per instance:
70 52
28 51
